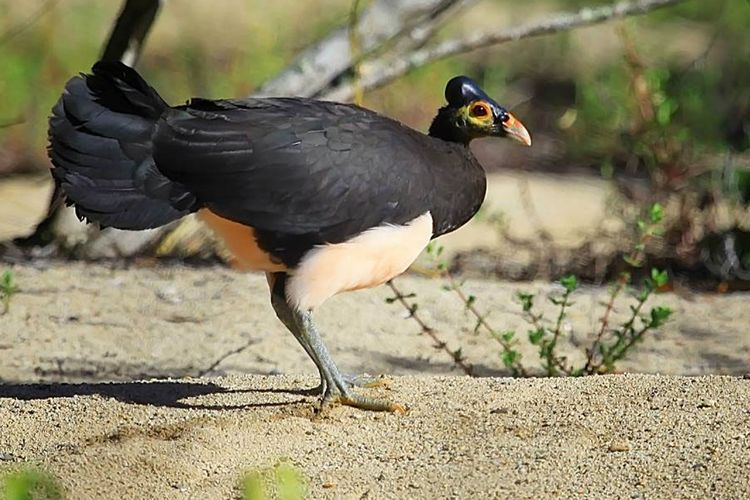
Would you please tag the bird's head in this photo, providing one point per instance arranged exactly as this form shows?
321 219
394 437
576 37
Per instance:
471 113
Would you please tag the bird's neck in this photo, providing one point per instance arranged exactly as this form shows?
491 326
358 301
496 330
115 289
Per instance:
444 127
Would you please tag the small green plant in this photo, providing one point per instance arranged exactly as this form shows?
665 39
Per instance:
602 355
283 481
8 289
546 337
29 484
610 344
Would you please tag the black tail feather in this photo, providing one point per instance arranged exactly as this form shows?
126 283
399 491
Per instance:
100 146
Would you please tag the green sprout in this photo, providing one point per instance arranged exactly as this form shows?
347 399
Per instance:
29 484
282 481
8 289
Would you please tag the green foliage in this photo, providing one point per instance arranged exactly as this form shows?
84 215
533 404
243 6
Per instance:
626 335
650 109
659 278
656 213
526 299
648 228
610 344
570 283
8 289
283 481
30 484
510 358
536 336
543 337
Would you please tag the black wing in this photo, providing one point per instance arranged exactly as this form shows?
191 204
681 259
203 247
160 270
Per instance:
298 168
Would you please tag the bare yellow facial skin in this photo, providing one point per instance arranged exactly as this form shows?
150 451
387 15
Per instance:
478 116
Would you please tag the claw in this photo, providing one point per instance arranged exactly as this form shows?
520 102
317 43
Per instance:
399 409
363 403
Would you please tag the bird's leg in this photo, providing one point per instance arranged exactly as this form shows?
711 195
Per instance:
276 283
338 390
334 387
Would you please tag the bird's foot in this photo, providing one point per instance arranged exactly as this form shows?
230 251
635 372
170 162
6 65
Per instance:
349 398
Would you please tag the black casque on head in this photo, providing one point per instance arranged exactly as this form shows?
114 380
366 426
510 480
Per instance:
461 90
471 113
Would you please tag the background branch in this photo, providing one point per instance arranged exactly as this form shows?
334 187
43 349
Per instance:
20 28
327 61
377 73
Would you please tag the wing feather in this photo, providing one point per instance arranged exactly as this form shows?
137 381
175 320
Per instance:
295 167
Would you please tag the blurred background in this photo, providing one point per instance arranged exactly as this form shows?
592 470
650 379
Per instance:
626 113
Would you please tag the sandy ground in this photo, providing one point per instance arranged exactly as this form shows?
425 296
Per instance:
615 436
600 437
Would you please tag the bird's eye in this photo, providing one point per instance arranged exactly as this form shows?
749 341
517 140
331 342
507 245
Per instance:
480 110
504 117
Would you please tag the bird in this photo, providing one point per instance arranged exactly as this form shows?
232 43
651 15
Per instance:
323 197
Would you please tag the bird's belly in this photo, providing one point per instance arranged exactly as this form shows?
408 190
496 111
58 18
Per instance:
367 260
241 242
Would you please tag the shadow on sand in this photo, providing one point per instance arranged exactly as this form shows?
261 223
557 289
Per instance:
169 393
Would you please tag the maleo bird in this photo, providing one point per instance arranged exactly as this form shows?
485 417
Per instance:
323 197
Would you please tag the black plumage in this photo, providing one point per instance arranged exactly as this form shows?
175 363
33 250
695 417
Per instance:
100 144
313 172
301 172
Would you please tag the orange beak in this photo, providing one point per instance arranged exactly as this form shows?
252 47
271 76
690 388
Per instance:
515 130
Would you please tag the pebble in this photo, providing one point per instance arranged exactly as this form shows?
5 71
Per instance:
618 445
169 294
707 403
500 410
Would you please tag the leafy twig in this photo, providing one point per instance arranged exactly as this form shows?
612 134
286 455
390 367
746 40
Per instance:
615 291
627 335
544 337
457 356
510 356
570 283
647 229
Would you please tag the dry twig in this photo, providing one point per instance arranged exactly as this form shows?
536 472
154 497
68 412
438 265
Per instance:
27 23
440 344
378 73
